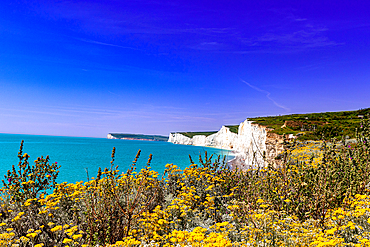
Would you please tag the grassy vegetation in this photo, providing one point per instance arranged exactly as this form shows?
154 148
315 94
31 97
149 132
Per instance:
318 197
311 126
315 125
233 128
191 134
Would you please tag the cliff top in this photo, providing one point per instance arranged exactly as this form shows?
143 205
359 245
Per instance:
309 126
313 126
191 134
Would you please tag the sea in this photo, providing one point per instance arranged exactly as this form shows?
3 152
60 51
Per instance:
81 157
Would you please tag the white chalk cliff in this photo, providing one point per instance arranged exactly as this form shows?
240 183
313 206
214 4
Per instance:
109 136
253 145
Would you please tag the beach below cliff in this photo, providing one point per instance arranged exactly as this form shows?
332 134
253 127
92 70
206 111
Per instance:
238 161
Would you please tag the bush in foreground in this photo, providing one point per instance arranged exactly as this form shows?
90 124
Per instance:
319 199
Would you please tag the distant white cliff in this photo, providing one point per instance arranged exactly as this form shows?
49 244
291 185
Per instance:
109 136
178 138
253 145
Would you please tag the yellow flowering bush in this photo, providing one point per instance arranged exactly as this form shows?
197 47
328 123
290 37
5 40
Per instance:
318 197
29 181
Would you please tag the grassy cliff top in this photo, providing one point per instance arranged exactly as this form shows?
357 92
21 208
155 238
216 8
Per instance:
314 125
310 126
191 134
233 128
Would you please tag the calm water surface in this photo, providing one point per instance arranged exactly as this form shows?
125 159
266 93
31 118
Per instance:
78 154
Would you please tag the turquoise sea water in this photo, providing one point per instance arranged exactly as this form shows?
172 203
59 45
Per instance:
78 154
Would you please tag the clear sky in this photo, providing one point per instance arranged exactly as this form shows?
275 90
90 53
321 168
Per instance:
87 68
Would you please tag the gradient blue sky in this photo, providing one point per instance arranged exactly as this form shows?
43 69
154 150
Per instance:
87 68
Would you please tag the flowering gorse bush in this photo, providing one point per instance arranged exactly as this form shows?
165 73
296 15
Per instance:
29 181
318 197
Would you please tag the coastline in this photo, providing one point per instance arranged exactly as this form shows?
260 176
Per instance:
247 145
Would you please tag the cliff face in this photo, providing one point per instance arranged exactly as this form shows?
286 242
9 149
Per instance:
251 144
274 146
178 138
223 139
109 136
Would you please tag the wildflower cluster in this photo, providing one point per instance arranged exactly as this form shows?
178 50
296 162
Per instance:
318 197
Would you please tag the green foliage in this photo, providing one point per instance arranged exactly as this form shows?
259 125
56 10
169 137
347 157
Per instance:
327 132
215 164
313 125
258 203
116 201
309 188
233 128
191 134
29 181
204 182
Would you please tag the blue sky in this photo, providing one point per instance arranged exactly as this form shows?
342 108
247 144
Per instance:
87 68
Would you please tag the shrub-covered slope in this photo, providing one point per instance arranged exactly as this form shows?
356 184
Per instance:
316 125
314 199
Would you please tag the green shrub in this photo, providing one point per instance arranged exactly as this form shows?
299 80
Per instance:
29 181
309 188
116 201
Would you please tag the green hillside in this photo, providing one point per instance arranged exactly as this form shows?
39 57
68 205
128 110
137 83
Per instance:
191 134
310 126
315 125
233 128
